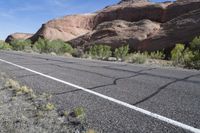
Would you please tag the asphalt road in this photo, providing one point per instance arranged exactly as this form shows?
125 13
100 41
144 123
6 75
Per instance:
170 92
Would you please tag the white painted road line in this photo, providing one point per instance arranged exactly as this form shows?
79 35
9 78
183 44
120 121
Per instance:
154 115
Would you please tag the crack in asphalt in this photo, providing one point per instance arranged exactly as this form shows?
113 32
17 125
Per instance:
115 80
113 83
105 67
164 87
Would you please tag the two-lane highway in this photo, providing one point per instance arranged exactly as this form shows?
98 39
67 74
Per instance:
118 97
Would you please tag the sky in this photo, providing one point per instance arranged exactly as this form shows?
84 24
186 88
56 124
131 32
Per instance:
27 16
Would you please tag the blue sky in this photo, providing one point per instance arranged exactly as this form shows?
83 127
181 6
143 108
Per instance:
28 15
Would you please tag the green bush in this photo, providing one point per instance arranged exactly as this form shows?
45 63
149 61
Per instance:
4 46
20 44
177 54
139 58
100 51
157 55
195 48
42 45
122 52
78 52
187 57
55 46
195 44
60 47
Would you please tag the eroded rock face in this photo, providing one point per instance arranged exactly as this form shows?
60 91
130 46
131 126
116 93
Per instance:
132 1
66 28
179 30
142 24
17 36
119 32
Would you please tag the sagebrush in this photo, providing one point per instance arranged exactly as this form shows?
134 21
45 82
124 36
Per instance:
100 51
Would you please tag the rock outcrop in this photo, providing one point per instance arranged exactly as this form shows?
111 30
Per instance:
17 36
132 1
142 24
118 32
66 28
179 30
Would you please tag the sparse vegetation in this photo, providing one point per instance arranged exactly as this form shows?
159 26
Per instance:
4 46
20 111
20 45
79 112
49 107
100 51
177 54
156 55
56 46
122 52
195 45
77 52
138 57
195 53
41 45
180 56
187 57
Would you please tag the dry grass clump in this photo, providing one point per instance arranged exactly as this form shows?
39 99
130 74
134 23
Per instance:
22 110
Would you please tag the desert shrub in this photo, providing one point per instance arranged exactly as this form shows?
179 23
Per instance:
177 54
4 46
42 45
156 55
100 51
20 44
79 113
138 57
195 48
195 44
79 52
55 46
187 57
122 52
59 47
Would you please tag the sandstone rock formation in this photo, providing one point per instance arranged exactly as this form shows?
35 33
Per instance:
142 24
131 1
179 30
17 36
119 32
66 28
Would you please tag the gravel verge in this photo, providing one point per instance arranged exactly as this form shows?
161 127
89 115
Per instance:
24 111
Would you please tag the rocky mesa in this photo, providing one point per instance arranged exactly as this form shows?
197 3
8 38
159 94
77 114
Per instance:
143 25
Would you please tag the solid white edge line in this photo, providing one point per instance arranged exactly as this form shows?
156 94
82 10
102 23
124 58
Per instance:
154 115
